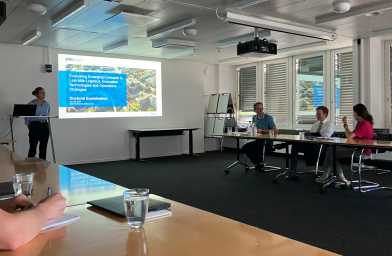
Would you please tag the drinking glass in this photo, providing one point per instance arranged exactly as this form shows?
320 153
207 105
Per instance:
23 183
136 206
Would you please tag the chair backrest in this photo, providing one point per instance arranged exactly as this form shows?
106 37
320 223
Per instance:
288 131
381 131
339 134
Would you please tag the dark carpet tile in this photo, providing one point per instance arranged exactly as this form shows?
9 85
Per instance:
342 221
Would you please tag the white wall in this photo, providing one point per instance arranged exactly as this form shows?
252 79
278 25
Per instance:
372 89
89 140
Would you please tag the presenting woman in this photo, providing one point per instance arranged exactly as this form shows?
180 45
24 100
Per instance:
38 126
363 130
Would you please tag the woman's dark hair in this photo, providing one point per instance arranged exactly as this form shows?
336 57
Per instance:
36 90
362 111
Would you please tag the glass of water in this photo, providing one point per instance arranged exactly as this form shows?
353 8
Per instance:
136 206
23 183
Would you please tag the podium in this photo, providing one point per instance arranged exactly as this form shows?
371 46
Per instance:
12 118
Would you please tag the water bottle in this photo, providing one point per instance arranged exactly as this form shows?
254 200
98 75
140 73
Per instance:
250 128
254 129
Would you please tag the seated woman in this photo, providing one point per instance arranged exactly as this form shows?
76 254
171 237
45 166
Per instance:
363 130
19 227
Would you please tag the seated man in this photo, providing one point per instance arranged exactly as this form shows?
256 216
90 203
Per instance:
19 227
264 123
323 128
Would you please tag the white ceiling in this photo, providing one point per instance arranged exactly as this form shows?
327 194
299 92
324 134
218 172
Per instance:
98 25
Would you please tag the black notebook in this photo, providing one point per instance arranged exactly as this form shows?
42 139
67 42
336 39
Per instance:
6 190
116 205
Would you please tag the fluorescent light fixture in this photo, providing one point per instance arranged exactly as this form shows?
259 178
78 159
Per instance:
115 45
173 43
228 42
276 24
70 10
364 9
31 37
242 4
165 31
136 19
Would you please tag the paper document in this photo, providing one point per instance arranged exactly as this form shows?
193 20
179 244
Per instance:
65 220
154 215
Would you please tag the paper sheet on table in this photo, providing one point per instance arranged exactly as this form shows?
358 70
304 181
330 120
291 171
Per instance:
60 222
154 215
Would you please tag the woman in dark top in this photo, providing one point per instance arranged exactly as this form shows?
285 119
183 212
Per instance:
363 130
38 126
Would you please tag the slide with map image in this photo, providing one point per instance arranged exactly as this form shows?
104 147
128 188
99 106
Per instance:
108 87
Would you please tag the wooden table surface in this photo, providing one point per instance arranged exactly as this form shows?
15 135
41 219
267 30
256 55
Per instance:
77 187
189 231
332 141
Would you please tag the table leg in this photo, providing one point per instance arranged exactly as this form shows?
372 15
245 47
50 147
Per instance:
12 133
238 148
237 161
137 147
190 142
334 159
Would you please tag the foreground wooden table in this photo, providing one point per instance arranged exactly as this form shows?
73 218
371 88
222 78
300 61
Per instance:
189 231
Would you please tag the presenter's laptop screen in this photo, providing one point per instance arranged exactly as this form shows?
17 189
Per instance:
91 87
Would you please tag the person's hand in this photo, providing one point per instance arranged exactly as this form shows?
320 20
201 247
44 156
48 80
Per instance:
344 120
53 207
19 202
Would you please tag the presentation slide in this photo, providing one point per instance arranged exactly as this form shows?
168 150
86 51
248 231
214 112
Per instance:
90 87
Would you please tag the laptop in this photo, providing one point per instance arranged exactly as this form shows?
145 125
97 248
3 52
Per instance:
116 205
24 110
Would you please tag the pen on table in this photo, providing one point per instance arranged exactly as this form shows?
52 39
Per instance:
49 192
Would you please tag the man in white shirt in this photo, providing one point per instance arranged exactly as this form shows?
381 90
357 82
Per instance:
322 128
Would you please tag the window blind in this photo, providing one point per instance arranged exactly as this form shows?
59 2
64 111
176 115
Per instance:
344 86
247 88
276 92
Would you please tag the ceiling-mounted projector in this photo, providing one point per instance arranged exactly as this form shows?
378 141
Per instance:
256 48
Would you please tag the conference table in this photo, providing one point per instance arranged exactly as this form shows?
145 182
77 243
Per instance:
140 133
356 144
189 231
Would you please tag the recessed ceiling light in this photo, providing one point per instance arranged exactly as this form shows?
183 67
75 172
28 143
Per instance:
341 6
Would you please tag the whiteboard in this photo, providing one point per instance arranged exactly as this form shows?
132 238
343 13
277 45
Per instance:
223 103
210 126
213 103
219 126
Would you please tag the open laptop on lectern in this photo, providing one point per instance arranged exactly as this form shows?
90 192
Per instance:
24 110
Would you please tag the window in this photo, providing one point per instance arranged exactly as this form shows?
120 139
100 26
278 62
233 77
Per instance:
276 91
309 88
292 88
343 76
247 88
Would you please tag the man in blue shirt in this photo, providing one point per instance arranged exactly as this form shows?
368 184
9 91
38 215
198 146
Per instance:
264 124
